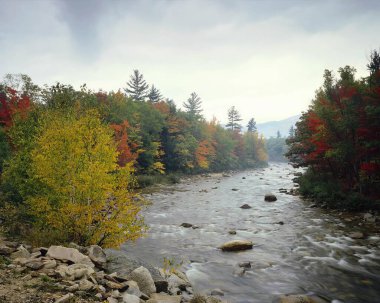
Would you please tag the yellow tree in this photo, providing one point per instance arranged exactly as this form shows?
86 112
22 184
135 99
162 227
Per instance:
84 195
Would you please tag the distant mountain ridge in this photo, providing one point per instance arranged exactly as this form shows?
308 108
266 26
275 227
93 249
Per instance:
269 129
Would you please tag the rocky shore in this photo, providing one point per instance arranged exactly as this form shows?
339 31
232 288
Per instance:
87 274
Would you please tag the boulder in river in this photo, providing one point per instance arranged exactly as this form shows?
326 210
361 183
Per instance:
144 280
186 225
232 232
356 235
97 255
245 206
270 197
237 245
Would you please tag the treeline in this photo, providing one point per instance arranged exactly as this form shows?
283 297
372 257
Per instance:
338 140
68 156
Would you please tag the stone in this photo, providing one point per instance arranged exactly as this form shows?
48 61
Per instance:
217 292
99 296
232 232
128 298
65 298
144 280
133 288
270 197
21 252
237 245
74 271
97 255
186 225
49 264
356 235
123 265
68 254
114 285
35 264
176 283
239 271
85 285
6 250
245 264
112 300
300 299
164 298
245 206
234 189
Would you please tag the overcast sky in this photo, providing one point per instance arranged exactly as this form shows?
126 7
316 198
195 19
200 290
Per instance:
265 57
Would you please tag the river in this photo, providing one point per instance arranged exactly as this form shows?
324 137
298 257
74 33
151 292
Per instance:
310 252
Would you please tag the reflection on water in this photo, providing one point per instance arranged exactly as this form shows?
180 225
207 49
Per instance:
310 252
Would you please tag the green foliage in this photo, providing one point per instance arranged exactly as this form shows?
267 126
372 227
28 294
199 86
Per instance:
276 148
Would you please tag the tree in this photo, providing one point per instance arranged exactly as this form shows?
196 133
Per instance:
154 95
193 106
137 88
233 119
278 134
83 196
291 131
252 125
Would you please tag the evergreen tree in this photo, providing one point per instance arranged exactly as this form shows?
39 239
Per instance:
252 125
154 95
193 106
136 87
233 119
291 132
278 134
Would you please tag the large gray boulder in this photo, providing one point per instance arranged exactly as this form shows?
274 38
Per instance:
144 280
237 245
68 254
270 197
97 255
123 265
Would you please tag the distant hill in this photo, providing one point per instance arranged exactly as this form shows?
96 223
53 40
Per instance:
269 129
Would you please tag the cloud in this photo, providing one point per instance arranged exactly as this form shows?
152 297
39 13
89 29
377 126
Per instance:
265 57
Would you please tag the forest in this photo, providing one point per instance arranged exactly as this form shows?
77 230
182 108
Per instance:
69 158
337 140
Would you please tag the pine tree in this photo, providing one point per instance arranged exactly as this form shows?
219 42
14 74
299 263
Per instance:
154 94
291 132
137 88
278 134
233 119
193 105
252 125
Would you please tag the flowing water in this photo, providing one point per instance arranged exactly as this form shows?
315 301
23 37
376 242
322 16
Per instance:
310 252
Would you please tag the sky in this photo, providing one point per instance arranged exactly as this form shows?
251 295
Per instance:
266 58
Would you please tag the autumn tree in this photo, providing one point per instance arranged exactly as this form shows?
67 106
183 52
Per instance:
137 88
84 195
233 119
154 95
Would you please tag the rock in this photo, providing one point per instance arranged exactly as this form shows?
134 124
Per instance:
186 225
177 284
245 264
99 296
112 300
74 271
164 298
245 206
73 288
195 227
144 280
85 285
48 264
234 189
123 265
356 235
300 299
243 178
6 250
65 298
217 292
128 298
232 232
114 285
68 254
133 288
35 264
97 255
239 271
369 218
237 245
270 198
21 252
280 222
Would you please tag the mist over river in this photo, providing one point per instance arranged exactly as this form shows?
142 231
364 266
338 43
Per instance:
310 252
